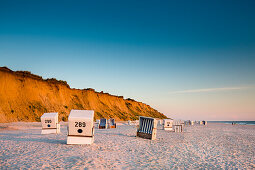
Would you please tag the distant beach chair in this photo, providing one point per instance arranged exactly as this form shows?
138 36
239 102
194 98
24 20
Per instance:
103 123
168 124
192 122
50 123
204 122
182 123
147 128
80 127
160 122
111 123
178 126
187 122
136 122
97 123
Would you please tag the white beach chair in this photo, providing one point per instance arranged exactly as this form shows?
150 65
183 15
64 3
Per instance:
80 127
50 123
178 126
168 124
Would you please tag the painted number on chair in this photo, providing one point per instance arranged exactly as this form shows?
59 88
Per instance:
47 121
80 124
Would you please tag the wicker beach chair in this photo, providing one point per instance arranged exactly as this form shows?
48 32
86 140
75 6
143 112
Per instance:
80 127
147 128
103 123
50 123
168 124
111 123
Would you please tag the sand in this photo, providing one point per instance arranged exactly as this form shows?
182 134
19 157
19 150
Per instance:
215 146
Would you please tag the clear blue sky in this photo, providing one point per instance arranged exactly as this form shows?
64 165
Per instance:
188 59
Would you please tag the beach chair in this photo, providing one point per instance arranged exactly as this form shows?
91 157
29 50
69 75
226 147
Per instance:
182 123
178 126
204 122
192 122
136 122
50 123
111 123
147 128
160 122
80 127
187 122
97 123
103 123
168 124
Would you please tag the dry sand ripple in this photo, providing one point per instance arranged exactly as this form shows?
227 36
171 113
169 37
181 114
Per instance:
216 146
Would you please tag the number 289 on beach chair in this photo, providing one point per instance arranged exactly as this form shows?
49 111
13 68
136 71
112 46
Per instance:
80 127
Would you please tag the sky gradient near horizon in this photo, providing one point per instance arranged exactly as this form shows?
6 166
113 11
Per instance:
188 59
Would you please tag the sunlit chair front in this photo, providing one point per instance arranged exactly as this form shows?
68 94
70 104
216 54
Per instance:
50 123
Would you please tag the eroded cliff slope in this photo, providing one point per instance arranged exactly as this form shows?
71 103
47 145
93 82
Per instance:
25 97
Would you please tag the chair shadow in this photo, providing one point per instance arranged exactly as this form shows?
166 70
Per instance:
119 134
42 139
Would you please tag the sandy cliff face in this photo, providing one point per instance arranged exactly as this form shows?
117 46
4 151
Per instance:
25 97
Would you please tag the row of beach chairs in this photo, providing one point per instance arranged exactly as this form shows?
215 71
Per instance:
104 123
81 126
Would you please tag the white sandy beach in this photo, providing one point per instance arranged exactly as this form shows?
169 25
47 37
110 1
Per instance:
214 146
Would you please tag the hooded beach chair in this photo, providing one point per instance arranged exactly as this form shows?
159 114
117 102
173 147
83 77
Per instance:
103 123
50 123
80 127
112 123
147 128
168 124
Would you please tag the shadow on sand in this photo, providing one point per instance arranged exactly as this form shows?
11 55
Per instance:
29 137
